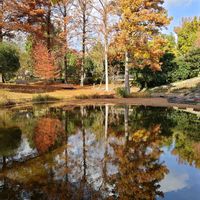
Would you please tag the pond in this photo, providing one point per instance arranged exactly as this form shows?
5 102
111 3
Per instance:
99 152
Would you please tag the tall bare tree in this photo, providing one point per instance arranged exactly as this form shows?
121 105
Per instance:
104 9
63 10
83 11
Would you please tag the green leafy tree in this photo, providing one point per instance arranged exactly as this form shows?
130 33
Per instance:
171 45
188 66
9 61
187 34
74 65
146 78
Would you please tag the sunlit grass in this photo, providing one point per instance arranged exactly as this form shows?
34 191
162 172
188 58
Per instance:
87 92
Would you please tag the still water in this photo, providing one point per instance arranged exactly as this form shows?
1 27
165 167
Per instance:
99 152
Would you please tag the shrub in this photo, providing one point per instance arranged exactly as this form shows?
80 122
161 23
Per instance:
82 97
122 92
43 98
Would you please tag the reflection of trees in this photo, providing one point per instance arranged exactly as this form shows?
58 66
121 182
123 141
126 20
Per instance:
139 169
145 117
47 132
108 150
186 150
187 123
10 139
186 138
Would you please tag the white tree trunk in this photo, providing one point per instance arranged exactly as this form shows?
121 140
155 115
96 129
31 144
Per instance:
126 114
106 121
105 22
106 67
127 85
1 78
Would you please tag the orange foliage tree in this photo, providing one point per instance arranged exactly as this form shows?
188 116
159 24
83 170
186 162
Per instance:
33 17
45 67
47 132
139 29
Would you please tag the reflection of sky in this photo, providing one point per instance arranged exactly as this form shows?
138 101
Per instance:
24 149
174 181
95 153
182 182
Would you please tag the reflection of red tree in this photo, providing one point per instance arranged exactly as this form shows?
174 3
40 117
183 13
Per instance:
46 133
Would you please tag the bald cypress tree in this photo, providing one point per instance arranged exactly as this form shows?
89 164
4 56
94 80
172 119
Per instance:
139 32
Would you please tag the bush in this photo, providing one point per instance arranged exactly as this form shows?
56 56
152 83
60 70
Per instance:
122 92
82 97
43 99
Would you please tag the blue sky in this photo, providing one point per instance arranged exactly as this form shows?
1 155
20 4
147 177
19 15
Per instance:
181 8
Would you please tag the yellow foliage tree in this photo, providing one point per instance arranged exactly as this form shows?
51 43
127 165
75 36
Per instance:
141 22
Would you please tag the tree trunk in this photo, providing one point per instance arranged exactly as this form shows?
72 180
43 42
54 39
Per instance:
127 85
49 27
105 22
1 78
106 146
66 143
106 121
84 176
65 46
83 45
4 163
65 67
1 35
106 64
1 20
126 113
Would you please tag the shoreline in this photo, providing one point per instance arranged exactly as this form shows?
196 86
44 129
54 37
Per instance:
144 101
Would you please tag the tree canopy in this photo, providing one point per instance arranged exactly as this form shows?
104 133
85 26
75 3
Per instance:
9 60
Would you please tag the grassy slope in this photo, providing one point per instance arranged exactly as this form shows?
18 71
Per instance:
179 86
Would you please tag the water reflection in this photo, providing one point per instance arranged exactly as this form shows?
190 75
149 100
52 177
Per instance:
102 152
